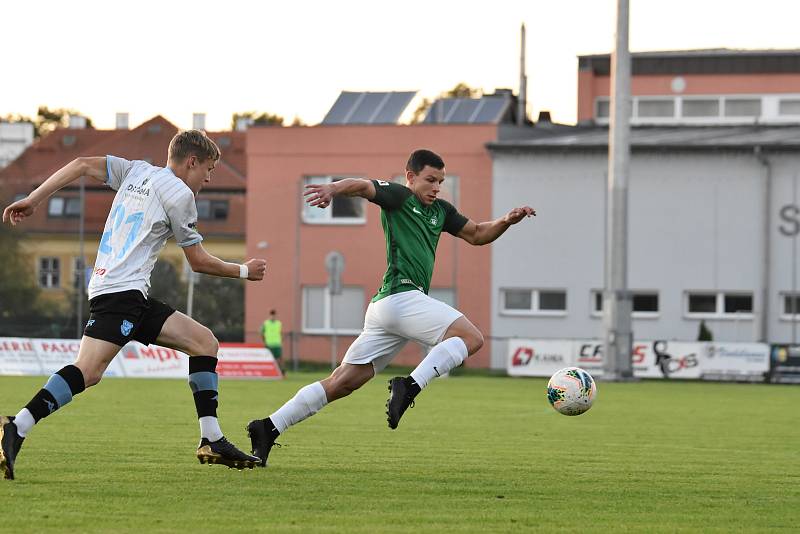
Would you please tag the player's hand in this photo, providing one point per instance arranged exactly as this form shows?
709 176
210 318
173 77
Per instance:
17 211
517 214
256 269
320 195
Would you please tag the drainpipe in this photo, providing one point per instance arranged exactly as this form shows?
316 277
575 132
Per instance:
767 246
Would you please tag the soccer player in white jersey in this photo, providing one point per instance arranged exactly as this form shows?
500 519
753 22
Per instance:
413 218
151 204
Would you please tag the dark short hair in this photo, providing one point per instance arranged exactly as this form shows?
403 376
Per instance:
192 143
272 312
421 158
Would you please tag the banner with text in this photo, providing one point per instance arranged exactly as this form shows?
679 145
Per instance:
24 356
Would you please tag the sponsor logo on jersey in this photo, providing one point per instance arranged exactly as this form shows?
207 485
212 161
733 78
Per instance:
192 225
382 182
126 327
138 190
434 220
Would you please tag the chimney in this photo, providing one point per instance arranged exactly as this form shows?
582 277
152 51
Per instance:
242 123
199 121
76 122
122 121
522 110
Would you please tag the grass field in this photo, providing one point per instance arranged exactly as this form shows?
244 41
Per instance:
477 454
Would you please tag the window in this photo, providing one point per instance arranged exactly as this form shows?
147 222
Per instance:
323 312
789 107
534 301
645 303
343 210
76 272
445 294
791 306
731 305
700 107
742 107
49 272
212 210
603 108
64 207
656 108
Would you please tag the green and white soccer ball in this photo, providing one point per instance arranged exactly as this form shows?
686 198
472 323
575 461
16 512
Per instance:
571 391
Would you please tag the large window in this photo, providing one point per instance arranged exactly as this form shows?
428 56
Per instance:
64 207
212 210
533 301
742 107
700 107
645 303
343 210
719 304
656 108
49 272
323 313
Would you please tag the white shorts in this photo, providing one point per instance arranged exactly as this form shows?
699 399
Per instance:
393 320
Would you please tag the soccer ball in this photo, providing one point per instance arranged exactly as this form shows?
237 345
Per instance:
571 391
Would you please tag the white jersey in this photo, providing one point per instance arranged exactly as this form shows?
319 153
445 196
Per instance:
151 204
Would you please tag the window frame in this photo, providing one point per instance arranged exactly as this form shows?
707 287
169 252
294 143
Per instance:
211 203
328 219
719 312
785 315
594 312
64 212
326 317
534 310
53 271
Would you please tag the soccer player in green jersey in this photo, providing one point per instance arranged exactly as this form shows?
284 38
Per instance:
413 218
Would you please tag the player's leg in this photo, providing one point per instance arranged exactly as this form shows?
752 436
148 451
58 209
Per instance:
431 322
368 354
112 319
183 333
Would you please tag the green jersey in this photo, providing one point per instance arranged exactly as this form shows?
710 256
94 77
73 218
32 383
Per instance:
412 231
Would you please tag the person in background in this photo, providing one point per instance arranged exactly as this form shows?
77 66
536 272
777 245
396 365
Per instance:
272 335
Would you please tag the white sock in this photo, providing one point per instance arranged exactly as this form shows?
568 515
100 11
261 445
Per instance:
307 401
209 428
443 357
24 421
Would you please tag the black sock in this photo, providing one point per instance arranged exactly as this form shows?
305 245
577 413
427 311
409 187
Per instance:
271 429
204 382
57 392
413 388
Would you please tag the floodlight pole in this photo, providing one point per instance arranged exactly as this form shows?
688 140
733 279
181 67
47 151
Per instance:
617 298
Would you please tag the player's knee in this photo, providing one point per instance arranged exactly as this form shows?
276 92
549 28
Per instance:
474 341
206 344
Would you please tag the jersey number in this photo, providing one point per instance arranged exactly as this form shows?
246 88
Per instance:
134 220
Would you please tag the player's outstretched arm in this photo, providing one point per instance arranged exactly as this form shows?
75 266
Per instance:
92 167
203 262
321 195
486 232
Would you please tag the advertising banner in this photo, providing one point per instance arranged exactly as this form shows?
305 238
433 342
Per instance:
23 356
736 361
785 364
538 358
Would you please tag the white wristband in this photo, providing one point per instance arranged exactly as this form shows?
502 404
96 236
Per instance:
243 272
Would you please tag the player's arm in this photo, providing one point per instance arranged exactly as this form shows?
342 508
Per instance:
486 232
203 262
321 195
93 167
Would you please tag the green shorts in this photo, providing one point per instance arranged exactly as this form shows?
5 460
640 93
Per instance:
276 352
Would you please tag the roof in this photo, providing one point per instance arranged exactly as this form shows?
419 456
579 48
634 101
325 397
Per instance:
659 137
148 141
706 61
368 107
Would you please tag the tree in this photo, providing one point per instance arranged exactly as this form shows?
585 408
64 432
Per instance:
461 90
263 119
704 334
18 290
48 119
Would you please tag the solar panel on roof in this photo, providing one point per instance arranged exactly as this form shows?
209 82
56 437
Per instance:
368 107
485 110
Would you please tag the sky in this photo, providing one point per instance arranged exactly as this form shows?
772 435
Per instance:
175 57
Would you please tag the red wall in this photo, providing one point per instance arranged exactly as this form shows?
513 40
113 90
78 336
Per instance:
279 158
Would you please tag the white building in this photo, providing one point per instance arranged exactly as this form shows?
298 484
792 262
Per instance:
15 137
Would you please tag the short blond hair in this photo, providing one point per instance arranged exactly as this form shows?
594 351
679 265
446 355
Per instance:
192 143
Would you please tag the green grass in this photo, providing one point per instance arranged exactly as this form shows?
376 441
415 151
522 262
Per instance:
476 454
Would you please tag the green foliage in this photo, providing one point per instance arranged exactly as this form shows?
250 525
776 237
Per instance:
475 454
704 334
19 293
259 119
